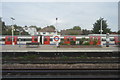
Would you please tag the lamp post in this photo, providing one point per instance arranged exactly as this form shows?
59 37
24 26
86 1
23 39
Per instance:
101 30
12 30
56 25
101 27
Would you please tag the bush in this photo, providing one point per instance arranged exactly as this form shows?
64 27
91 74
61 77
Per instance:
72 42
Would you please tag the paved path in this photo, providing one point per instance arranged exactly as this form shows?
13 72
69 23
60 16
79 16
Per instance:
53 48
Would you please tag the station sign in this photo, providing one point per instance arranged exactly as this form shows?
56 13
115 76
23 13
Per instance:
56 38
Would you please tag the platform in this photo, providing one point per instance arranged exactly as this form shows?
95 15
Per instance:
53 48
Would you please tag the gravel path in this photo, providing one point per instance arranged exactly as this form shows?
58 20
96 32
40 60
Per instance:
60 66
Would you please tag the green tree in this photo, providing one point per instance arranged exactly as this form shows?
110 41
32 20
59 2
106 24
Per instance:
76 28
85 32
37 28
118 31
52 26
97 25
32 26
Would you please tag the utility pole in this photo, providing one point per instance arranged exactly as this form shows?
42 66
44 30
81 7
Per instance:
12 30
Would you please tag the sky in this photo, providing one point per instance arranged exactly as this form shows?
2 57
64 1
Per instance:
69 14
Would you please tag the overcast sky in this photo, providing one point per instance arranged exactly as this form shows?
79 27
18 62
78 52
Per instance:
69 14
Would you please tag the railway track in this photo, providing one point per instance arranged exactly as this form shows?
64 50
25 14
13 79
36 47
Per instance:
60 54
56 73
60 62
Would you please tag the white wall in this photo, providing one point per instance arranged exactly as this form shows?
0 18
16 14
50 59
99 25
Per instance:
31 31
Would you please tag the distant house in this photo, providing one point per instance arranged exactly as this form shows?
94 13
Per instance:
71 32
30 30
47 31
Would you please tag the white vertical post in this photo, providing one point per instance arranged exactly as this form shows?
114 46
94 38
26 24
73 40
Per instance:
101 32
12 35
56 25
12 31
101 27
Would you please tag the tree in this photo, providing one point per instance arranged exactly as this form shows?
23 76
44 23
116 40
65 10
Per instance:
52 26
37 28
97 26
85 32
76 28
33 26
118 31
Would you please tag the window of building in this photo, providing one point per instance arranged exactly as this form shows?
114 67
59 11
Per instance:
44 32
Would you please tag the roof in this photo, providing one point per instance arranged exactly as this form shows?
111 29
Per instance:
47 29
66 32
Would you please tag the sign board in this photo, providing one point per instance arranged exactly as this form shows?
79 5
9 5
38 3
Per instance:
56 38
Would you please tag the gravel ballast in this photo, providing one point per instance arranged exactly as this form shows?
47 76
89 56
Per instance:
60 66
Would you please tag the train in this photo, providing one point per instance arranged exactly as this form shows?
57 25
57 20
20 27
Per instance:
51 40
